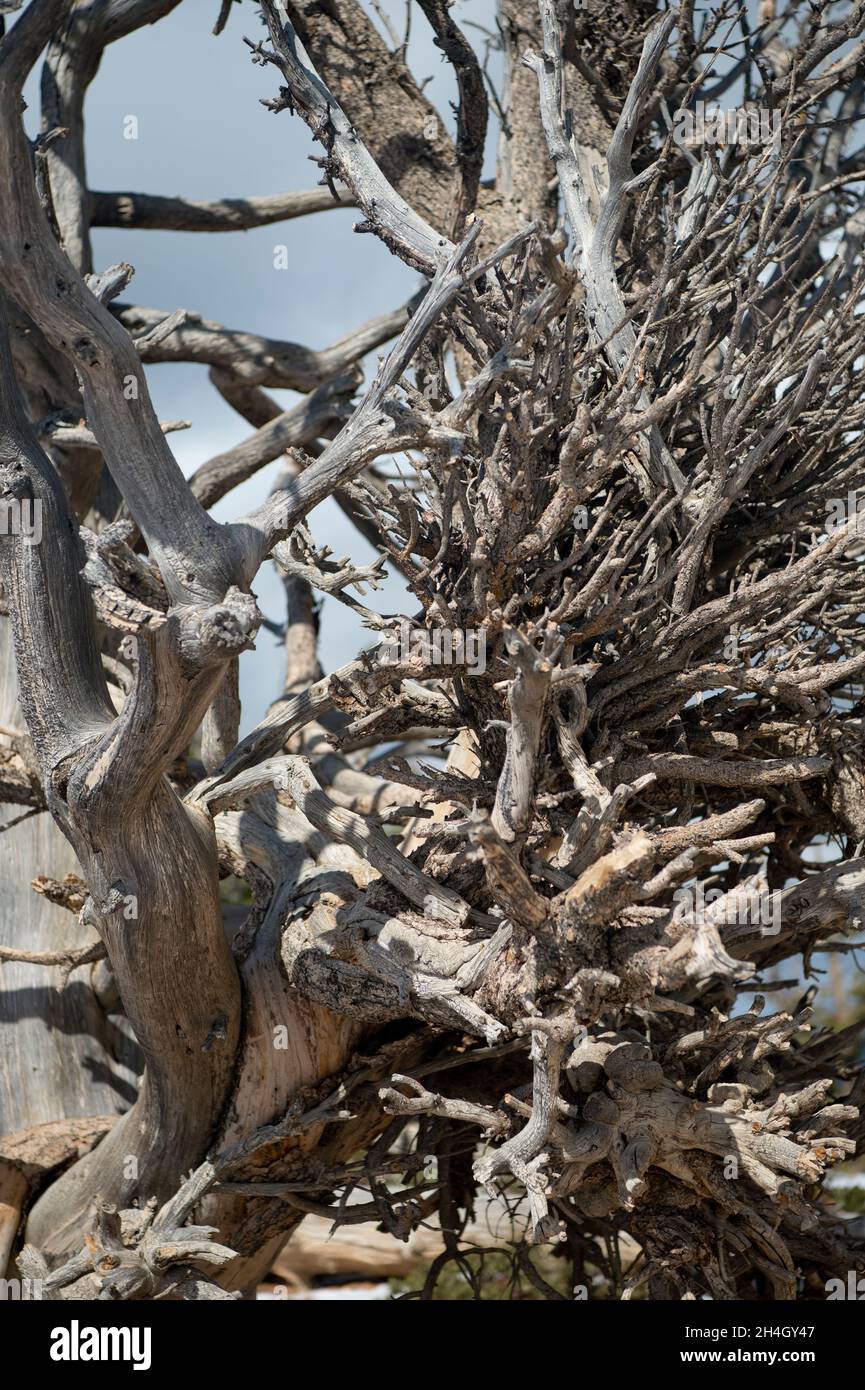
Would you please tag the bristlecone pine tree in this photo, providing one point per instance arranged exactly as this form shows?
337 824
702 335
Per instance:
521 872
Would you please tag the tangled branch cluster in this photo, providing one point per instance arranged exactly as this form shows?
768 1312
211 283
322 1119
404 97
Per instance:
548 913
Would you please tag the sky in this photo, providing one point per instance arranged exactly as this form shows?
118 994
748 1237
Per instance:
202 133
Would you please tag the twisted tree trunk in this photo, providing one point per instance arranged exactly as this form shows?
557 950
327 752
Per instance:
520 874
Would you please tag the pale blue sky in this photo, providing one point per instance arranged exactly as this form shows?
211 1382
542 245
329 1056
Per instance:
203 133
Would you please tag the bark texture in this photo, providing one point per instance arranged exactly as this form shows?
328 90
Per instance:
524 873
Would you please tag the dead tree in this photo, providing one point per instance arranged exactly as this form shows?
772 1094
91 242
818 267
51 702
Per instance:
521 873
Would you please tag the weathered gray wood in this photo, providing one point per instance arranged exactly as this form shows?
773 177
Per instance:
616 636
60 1054
401 228
257 360
154 213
